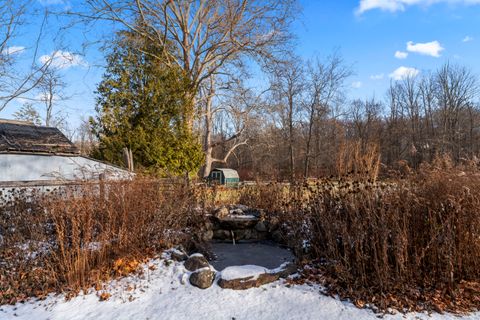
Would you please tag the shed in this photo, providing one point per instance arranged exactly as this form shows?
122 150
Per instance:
20 136
38 155
224 176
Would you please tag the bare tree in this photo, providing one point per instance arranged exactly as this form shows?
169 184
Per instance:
49 94
288 84
84 137
13 82
364 116
232 110
456 90
51 88
324 89
206 35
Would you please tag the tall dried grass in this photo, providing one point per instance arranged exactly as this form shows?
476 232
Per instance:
76 236
410 244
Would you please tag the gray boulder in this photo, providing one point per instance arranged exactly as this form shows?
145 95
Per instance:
195 262
260 226
203 278
178 255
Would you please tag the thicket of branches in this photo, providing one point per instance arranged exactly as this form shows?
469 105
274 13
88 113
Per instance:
307 125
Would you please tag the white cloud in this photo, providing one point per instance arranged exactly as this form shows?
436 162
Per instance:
51 2
401 5
467 39
21 100
13 50
377 76
63 59
428 48
45 97
357 84
384 5
401 55
404 72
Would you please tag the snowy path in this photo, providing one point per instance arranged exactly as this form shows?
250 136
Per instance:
160 294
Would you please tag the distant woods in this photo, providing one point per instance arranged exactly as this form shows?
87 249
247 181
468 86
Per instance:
310 129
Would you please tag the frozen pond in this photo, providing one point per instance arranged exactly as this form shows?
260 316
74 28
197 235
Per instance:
265 254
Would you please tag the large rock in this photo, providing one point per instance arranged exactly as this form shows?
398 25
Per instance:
273 224
249 282
235 222
178 255
286 269
207 235
260 226
221 212
196 261
202 278
246 277
236 212
222 234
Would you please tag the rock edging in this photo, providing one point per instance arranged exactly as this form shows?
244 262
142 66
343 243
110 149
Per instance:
258 280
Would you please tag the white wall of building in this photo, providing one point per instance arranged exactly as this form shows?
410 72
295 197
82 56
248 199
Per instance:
33 167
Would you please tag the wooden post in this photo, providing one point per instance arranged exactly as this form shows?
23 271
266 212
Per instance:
131 160
128 158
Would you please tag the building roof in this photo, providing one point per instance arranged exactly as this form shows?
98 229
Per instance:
228 173
20 136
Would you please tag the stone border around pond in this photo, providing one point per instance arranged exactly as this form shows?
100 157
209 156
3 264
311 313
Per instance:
203 274
238 222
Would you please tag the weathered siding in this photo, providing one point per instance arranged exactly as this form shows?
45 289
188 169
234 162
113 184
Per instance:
31 167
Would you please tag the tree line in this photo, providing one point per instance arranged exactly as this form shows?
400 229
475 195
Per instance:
309 129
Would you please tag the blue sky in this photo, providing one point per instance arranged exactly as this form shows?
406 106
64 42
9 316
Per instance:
381 39
369 40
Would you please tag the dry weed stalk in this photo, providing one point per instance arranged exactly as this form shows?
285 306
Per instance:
411 243
72 238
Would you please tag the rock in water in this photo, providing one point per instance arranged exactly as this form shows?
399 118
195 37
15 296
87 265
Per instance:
195 262
203 278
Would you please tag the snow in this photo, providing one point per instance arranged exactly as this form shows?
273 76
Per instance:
240 272
240 217
162 292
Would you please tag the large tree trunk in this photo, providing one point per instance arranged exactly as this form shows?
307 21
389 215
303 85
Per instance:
207 143
291 138
309 144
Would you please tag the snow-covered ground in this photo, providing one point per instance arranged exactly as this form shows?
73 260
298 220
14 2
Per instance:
163 292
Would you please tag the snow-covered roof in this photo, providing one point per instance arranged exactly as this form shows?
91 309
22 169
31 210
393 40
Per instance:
228 173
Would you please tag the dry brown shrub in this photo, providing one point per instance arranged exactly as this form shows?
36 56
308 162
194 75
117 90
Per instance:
410 244
358 160
75 236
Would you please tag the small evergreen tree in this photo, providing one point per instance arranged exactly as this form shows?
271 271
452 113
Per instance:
141 105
